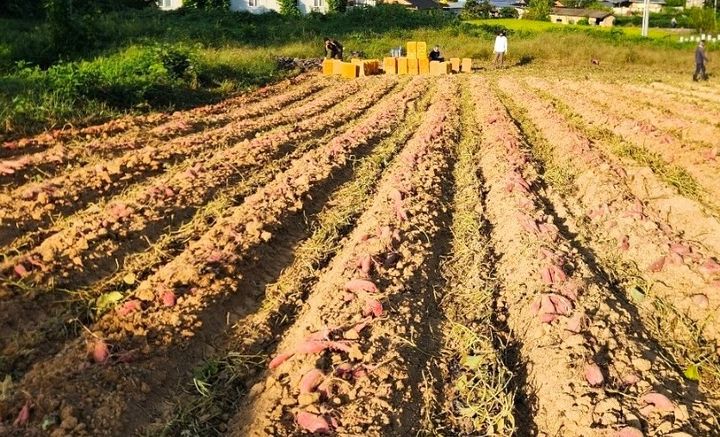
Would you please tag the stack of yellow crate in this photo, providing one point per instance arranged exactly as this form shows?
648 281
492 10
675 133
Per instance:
366 67
327 67
348 70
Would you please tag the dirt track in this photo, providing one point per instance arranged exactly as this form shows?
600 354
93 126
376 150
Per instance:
387 256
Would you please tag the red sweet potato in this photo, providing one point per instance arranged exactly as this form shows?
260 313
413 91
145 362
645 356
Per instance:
373 307
99 351
657 265
312 422
279 359
657 402
624 243
20 270
576 323
129 307
168 298
355 285
710 267
23 416
310 381
365 264
700 300
628 431
593 375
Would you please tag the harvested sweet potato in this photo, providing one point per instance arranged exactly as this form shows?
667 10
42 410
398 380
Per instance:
23 416
657 402
593 375
312 422
129 307
99 351
279 359
20 270
628 431
168 298
310 381
356 285
373 307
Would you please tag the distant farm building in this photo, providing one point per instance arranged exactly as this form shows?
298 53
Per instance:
638 6
619 7
574 16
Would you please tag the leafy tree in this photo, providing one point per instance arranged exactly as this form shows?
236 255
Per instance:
207 4
702 19
337 5
289 7
538 10
508 12
21 8
476 9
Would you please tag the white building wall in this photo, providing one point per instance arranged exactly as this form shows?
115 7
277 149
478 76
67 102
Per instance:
169 5
307 6
255 6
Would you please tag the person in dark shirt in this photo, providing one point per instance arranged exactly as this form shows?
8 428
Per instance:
700 60
333 49
435 54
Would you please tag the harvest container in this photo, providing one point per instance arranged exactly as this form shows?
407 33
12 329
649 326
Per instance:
466 66
455 65
402 65
413 66
327 67
390 65
424 66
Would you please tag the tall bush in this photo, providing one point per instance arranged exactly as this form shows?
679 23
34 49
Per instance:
337 5
289 7
222 5
702 19
476 9
538 10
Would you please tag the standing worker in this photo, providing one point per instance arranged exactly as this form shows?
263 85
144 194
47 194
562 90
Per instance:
501 46
700 60
333 49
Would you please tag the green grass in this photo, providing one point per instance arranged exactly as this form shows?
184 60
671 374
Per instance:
545 26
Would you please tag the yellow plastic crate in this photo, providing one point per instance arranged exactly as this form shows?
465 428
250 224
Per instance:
424 66
390 65
413 66
337 67
349 70
402 65
439 68
421 49
412 50
455 65
466 66
327 67
361 66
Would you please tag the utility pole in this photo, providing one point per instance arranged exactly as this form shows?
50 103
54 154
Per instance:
646 18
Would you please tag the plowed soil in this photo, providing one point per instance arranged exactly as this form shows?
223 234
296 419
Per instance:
390 256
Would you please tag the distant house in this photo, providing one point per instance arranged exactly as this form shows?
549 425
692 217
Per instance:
638 6
418 5
573 16
619 7
169 5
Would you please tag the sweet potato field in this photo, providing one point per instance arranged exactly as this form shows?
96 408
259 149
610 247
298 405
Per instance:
388 256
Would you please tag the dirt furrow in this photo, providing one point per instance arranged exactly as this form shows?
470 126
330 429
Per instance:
368 345
478 391
587 362
27 320
83 244
693 174
59 158
129 127
671 104
651 259
695 136
31 207
255 336
171 303
703 95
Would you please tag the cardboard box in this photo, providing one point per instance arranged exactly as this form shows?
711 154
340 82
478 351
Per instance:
455 65
390 65
466 66
413 66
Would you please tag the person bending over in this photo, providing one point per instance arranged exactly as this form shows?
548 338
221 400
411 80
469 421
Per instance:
333 49
435 54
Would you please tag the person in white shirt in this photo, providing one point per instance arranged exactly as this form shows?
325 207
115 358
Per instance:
501 45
